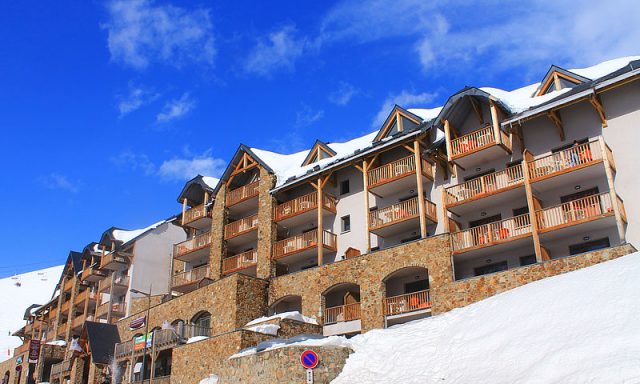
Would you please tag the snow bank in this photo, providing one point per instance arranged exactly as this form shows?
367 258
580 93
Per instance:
212 379
426 114
196 338
293 315
35 288
331 341
269 329
579 327
604 68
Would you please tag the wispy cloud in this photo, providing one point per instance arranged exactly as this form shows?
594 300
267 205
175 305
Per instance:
279 50
404 99
137 97
307 116
58 181
176 108
344 94
190 165
141 32
134 161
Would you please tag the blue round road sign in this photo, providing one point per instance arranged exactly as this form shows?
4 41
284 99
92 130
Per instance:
309 359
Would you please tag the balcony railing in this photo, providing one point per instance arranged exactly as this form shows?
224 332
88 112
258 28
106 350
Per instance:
401 211
474 140
81 319
163 338
68 285
191 330
243 260
302 242
123 349
240 226
21 349
193 244
61 367
159 380
65 306
95 271
567 159
188 277
407 303
114 257
116 307
488 234
303 204
86 294
199 212
485 185
341 313
116 279
242 193
584 209
396 170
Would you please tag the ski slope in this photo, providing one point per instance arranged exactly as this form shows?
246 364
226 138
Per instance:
579 327
34 288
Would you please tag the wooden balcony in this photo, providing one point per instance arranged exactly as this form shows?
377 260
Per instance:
400 217
568 160
68 285
479 146
161 339
117 283
238 262
123 350
198 217
241 231
342 313
303 245
243 195
87 294
491 234
578 211
64 308
483 187
115 261
118 309
61 367
409 302
303 209
92 274
391 178
24 348
194 249
78 321
188 281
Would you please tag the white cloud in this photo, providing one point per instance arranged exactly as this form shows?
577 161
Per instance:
191 165
141 32
279 50
344 94
307 116
134 161
405 100
137 97
176 108
58 181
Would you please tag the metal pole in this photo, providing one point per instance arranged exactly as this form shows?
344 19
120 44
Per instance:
146 338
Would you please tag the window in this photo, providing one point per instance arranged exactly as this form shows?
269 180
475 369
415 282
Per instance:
346 223
202 320
416 286
589 246
528 260
344 187
491 268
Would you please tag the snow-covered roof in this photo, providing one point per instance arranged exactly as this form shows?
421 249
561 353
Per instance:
126 236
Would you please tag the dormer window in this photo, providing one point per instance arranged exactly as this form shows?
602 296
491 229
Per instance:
318 152
399 120
557 79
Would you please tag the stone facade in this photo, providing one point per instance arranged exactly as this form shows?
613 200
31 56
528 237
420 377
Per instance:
218 220
267 231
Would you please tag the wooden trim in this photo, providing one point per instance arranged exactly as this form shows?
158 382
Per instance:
447 134
496 123
480 246
365 177
418 160
320 222
528 156
557 120
612 191
594 99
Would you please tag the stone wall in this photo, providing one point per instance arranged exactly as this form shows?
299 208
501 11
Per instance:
368 271
267 231
290 327
232 301
139 304
464 292
10 366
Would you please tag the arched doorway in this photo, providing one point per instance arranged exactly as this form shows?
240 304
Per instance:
407 295
286 304
341 312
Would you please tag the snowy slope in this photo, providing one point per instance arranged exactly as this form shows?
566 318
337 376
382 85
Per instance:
35 288
579 327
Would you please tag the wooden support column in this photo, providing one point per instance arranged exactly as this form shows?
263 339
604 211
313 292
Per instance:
320 222
184 208
421 203
445 217
496 122
365 181
533 204
617 209
447 135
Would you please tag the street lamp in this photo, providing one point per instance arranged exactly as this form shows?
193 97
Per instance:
146 331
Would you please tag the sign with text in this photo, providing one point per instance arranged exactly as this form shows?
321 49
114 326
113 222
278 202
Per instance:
34 351
138 342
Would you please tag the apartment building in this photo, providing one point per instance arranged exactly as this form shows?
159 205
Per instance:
437 209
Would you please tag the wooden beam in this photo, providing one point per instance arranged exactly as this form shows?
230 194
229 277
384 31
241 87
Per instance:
557 81
532 204
365 180
617 209
517 132
447 135
421 203
408 148
555 117
399 122
594 99
496 122
320 223
478 109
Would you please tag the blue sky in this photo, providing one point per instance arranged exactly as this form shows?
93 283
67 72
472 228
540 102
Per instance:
108 107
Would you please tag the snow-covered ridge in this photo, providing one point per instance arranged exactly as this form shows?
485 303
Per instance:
578 327
18 293
293 315
126 236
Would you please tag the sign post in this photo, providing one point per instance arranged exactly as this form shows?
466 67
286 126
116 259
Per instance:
309 360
